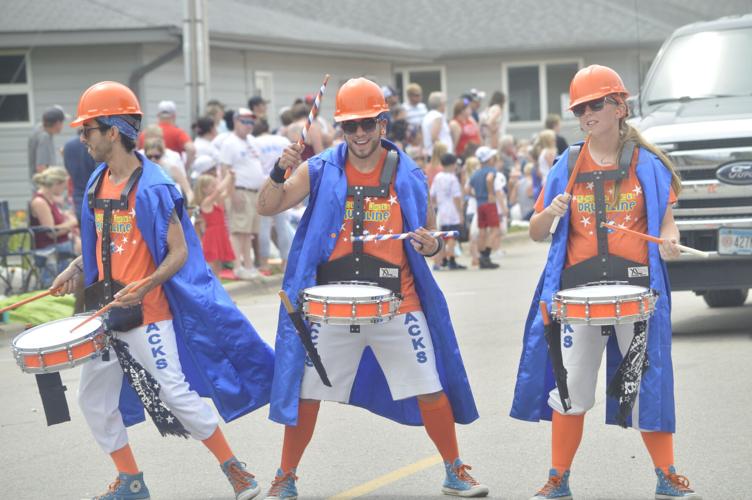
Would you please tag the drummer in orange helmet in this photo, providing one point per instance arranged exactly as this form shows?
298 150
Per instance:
624 180
176 334
412 371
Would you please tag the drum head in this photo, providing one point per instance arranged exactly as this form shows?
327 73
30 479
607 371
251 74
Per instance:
596 291
56 333
346 291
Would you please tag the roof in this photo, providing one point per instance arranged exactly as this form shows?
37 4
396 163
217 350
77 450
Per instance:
419 29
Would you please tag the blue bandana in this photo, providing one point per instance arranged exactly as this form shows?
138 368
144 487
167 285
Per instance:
122 125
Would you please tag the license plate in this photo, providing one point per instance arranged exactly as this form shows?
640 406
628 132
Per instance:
733 241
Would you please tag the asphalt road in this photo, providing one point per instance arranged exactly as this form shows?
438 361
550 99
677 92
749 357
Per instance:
355 453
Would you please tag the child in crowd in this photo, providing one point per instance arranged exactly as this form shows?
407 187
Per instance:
209 197
446 195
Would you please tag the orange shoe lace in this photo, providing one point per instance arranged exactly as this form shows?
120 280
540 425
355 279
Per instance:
679 482
279 482
553 483
462 475
239 477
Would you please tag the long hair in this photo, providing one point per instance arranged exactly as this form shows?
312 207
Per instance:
628 133
439 150
199 190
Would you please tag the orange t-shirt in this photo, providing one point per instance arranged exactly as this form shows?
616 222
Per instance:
628 212
131 259
383 215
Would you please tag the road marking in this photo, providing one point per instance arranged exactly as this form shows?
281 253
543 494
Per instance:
388 478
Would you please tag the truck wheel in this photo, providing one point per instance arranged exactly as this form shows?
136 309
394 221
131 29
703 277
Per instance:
725 298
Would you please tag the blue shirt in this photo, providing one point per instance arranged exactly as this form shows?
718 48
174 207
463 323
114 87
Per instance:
80 165
478 183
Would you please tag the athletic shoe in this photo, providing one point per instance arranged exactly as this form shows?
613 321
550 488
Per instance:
126 487
461 484
453 266
485 263
242 481
283 486
247 274
557 487
673 486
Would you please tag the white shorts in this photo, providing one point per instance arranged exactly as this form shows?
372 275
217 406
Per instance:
154 347
582 350
403 349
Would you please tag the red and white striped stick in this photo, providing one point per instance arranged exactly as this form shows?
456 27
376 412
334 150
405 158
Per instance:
403 236
314 111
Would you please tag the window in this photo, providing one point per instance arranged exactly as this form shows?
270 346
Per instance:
431 79
536 90
263 85
14 89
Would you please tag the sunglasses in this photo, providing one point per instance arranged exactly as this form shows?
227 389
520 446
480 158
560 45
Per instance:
367 124
595 105
87 130
154 157
246 121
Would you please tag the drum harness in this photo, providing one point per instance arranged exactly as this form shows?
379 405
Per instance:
123 319
606 267
359 266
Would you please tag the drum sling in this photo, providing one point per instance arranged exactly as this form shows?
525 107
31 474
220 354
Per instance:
606 267
122 319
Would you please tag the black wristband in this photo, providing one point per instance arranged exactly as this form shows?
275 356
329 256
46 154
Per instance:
277 174
438 249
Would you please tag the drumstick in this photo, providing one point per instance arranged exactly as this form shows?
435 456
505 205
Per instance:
311 116
402 236
29 299
109 306
654 239
567 190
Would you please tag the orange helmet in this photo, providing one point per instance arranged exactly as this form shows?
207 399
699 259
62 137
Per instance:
106 99
359 98
594 82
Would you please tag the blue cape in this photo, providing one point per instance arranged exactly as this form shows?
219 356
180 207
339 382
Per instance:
221 354
535 377
324 216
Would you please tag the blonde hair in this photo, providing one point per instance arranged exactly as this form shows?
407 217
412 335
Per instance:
50 176
439 150
547 139
199 189
153 131
471 165
154 143
628 133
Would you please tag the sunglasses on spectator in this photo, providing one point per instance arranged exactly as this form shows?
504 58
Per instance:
154 156
367 124
87 130
595 105
246 121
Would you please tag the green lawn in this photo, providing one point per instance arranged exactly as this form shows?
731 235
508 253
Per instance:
40 311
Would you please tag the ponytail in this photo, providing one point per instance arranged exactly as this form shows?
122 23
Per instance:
628 133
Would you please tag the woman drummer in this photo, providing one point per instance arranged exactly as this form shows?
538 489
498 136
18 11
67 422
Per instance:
624 180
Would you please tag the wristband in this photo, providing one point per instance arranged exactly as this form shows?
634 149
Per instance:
440 241
277 174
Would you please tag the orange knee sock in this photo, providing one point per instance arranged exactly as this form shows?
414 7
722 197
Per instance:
439 422
566 434
124 460
217 444
298 436
660 445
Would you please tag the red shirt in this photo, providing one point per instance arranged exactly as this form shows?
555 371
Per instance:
629 211
174 137
470 133
43 239
383 215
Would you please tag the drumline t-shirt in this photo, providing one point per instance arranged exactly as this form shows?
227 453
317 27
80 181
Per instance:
383 216
131 259
625 207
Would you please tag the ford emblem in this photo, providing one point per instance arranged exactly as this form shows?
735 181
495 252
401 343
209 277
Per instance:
738 173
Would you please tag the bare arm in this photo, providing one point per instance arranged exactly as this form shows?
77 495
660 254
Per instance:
435 130
43 213
670 236
70 279
275 198
540 223
456 131
490 188
190 154
177 254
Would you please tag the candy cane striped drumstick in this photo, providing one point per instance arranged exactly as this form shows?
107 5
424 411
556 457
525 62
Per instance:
403 236
314 111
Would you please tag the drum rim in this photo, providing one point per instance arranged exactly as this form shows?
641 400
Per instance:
612 299
55 348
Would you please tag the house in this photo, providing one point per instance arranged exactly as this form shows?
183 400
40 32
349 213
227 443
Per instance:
51 50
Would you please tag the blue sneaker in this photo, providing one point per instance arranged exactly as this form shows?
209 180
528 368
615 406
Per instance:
673 486
242 481
557 487
459 483
283 486
126 487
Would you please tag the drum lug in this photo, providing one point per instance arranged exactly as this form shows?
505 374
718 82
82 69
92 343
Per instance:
69 351
618 310
379 309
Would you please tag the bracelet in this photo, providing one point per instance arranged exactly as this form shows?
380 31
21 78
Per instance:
277 174
440 247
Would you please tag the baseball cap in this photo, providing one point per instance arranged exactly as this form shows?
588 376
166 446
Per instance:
484 153
166 108
201 165
244 113
53 115
474 94
256 100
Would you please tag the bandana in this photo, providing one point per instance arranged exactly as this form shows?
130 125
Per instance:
121 124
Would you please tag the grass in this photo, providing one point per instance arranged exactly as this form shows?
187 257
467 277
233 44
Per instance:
40 311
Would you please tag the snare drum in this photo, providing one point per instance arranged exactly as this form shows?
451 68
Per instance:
349 304
603 304
51 347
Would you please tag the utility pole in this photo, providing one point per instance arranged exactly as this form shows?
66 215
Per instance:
195 56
